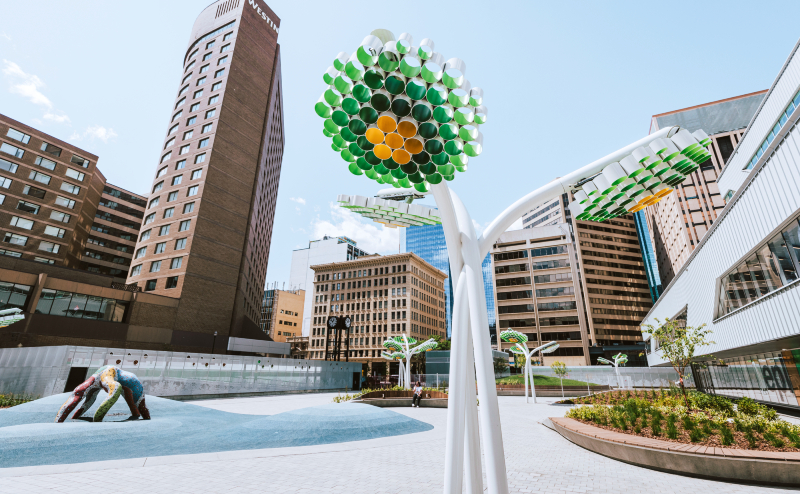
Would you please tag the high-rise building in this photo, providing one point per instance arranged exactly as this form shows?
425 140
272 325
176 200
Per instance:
385 296
323 251
679 221
282 313
208 224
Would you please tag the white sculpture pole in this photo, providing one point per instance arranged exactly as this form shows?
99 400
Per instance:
520 346
619 358
401 346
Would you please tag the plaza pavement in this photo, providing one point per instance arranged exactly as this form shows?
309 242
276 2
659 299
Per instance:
537 460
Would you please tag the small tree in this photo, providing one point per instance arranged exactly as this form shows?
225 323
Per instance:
441 343
560 370
678 344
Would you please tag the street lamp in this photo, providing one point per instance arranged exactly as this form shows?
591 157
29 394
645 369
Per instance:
376 116
520 348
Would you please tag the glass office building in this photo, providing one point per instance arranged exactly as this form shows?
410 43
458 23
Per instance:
428 243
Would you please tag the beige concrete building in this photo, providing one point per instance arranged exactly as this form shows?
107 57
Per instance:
385 296
282 313
537 291
682 218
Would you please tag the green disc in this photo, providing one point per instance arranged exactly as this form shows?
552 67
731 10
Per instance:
347 156
410 66
434 146
394 85
416 89
372 159
371 174
354 70
443 114
448 131
340 118
343 84
333 97
405 182
365 57
357 127
421 158
449 178
350 106
322 109
364 144
368 115
459 160
422 111
401 107
336 148
428 168
389 60
355 150
339 141
422 187
440 159
331 127
433 178
327 134
468 132
382 170
373 79
436 95
399 174
409 167
454 147
447 169
381 102
474 148
416 178
362 163
428 130
348 135
361 93
354 169
463 116
458 98
390 164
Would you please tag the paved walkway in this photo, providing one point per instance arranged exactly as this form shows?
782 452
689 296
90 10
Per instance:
537 459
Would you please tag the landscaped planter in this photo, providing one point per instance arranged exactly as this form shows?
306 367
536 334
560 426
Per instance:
519 390
392 399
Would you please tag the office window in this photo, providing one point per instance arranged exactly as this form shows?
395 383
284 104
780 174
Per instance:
191 65
145 235
10 253
8 166
173 129
183 90
172 282
207 56
21 222
185 224
141 253
204 69
180 102
150 285
216 86
211 113
18 136
49 148
188 135
203 143
13 238
194 107
166 156
188 208
197 94
192 191
49 247
201 81
161 172
74 174
39 177
169 143
54 232
154 203
33 192
222 60
158 186
184 149
63 201
197 174
155 266
72 189
12 150
180 244
210 44
177 115
149 218
136 270
227 36
160 248
169 212
2 198
206 128
191 121
80 161
188 76
199 158
225 48
28 207
219 73
172 196
213 99
164 230
179 165
177 179
59 216
45 163
175 263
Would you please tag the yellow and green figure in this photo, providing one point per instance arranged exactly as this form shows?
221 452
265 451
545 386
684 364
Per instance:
115 382
401 346
520 347
400 113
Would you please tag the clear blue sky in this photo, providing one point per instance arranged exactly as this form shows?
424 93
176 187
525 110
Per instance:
565 83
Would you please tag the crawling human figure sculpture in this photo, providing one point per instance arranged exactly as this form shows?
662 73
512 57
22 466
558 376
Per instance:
114 381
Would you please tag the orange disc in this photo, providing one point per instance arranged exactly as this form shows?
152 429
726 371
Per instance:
407 129
394 141
382 151
663 192
374 136
638 208
401 156
387 123
413 146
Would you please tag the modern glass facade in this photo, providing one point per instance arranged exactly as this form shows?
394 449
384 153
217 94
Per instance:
428 243
648 255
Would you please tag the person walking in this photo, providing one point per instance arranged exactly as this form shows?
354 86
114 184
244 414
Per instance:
417 395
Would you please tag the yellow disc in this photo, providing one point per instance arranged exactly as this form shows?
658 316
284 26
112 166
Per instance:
401 156
382 151
387 123
413 146
394 141
407 129
643 200
374 136
636 209
664 192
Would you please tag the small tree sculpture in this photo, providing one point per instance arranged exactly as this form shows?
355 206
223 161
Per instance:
396 356
678 344
401 345
619 358
560 370
520 348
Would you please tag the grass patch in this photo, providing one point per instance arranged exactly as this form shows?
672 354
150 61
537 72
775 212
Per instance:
540 381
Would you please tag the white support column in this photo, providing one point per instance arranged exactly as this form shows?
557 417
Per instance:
472 440
454 445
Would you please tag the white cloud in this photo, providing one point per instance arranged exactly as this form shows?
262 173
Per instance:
26 85
95 132
371 237
298 200
56 118
4 35
74 137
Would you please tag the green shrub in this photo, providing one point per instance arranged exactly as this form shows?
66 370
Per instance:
774 440
687 423
751 439
695 435
12 400
725 435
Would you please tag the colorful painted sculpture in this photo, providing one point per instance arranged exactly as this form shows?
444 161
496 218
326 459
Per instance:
400 345
115 382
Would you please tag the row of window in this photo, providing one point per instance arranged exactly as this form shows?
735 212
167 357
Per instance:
22 240
399 268
210 35
169 213
42 177
40 161
790 108
46 147
518 268
177 179
27 224
68 304
173 196
160 247
540 212
155 266
164 230
170 283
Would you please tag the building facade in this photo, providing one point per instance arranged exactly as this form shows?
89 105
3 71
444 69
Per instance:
385 296
679 221
282 313
537 291
323 251
208 222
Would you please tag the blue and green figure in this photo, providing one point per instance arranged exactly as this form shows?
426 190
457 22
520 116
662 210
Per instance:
115 382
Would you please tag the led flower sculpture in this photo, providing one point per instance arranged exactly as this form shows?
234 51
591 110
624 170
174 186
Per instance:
520 348
10 316
402 346
619 358
400 114
397 356
390 213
